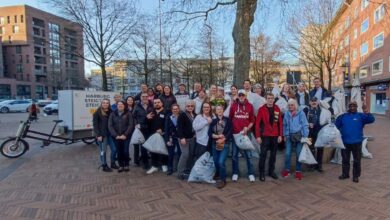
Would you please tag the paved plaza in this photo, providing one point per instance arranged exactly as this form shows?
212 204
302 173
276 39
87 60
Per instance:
62 182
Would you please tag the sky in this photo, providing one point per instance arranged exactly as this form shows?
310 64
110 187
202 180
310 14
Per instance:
268 20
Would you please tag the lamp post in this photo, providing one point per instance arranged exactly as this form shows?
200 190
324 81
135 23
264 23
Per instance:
160 23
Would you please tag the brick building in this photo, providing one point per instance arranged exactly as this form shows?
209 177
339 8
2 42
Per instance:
363 27
39 53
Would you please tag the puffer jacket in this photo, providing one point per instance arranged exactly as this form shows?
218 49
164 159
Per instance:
139 115
100 123
121 124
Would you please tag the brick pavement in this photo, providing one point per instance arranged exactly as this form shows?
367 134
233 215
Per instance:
62 182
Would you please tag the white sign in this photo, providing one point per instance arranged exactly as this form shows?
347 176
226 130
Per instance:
181 101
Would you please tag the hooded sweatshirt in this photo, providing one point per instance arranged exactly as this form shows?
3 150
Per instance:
241 115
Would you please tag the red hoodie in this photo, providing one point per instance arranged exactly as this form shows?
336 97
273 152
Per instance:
264 128
241 115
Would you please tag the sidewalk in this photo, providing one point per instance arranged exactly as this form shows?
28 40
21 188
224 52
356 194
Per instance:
62 182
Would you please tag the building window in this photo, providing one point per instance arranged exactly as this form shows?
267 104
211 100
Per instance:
346 41
354 54
340 30
379 13
15 29
8 20
364 49
363 72
15 19
2 30
18 49
19 68
2 21
20 59
21 18
364 26
356 13
378 40
365 4
347 22
377 67
355 33
27 58
9 39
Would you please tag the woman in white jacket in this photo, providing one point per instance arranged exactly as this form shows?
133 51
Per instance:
201 126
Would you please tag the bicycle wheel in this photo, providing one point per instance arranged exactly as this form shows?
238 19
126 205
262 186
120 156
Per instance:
12 148
89 140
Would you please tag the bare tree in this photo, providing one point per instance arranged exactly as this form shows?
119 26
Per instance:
264 58
311 40
107 26
207 44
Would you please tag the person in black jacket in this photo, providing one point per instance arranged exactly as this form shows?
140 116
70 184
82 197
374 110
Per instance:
302 97
121 126
144 89
156 124
220 132
314 128
319 91
100 128
171 136
141 110
167 98
186 134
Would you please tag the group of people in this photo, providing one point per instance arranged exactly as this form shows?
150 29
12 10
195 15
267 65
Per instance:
209 121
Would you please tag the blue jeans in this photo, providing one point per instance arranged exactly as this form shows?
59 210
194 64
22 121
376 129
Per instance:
287 160
235 159
113 148
103 148
171 152
219 160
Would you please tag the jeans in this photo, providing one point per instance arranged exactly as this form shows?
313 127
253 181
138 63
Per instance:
113 148
123 152
219 160
271 144
235 159
184 160
103 148
171 153
287 161
356 150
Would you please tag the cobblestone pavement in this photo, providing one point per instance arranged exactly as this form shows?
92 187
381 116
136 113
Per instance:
62 182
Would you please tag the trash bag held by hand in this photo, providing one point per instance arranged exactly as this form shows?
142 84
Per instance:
329 136
306 156
156 144
282 104
203 170
325 116
137 137
243 142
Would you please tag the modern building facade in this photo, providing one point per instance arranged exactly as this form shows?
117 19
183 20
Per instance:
41 53
363 27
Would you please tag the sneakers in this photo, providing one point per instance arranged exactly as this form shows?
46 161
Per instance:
152 170
165 168
114 166
262 177
121 169
298 175
170 172
285 173
251 178
235 177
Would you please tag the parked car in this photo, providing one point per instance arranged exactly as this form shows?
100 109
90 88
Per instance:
14 106
43 103
51 108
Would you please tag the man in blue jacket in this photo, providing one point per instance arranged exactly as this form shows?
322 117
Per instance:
351 126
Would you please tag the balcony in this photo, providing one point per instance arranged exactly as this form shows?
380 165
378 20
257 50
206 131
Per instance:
38 22
40 72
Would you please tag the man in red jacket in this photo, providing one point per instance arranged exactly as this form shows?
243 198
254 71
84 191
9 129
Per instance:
242 116
269 131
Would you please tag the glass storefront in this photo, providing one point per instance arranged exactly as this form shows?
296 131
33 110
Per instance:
5 91
379 102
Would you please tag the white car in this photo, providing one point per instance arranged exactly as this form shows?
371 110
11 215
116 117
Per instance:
51 108
15 106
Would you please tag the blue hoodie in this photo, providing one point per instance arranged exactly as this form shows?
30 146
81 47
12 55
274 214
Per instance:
351 126
295 124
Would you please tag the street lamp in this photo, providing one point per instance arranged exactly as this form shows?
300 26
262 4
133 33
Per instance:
160 21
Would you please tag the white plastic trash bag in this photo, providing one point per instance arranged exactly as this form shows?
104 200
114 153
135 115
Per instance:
365 152
137 137
329 136
257 101
156 144
337 159
203 170
243 142
306 156
282 104
256 152
325 116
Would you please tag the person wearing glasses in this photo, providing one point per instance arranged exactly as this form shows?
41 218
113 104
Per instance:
201 126
242 117
141 110
295 127
171 138
351 125
186 135
220 132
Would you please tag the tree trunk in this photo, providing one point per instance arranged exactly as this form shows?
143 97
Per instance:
104 77
330 79
241 30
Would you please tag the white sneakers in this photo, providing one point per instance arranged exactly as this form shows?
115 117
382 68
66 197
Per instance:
165 168
235 177
152 170
251 178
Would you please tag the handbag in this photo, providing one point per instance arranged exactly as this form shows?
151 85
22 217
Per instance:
219 143
296 137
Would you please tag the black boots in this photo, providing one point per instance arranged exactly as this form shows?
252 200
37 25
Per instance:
105 168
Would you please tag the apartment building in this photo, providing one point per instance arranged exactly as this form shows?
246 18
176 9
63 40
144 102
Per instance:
40 53
363 29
